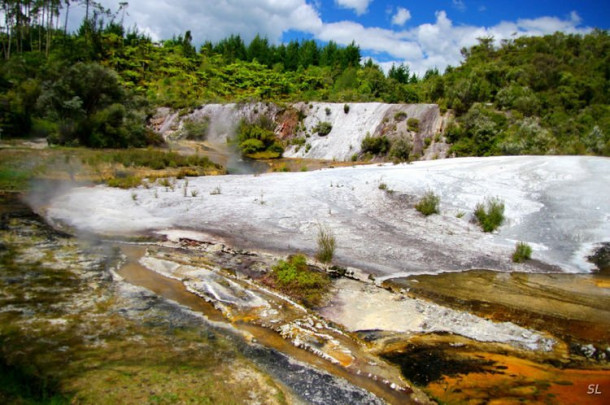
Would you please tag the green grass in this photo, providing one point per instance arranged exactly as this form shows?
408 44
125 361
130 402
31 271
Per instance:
326 244
124 182
154 358
295 278
148 158
264 155
428 204
522 252
490 214
14 179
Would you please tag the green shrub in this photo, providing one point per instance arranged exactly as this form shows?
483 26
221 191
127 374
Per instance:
257 140
251 146
298 141
400 116
124 182
413 124
326 244
428 204
295 278
522 252
43 128
323 128
346 108
327 110
490 215
400 149
196 130
375 145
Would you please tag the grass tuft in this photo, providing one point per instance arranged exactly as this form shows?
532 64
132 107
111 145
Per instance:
522 252
428 204
490 215
326 244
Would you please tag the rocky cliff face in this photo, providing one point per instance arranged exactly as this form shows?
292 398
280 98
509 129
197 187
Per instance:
298 126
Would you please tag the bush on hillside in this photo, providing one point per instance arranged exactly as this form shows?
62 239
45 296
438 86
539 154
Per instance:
376 145
323 128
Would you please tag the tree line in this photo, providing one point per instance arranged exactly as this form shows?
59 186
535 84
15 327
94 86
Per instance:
527 95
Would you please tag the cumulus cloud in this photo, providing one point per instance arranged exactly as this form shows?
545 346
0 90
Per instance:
359 6
401 17
376 40
213 21
438 44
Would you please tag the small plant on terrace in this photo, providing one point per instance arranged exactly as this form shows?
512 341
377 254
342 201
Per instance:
413 124
522 252
428 204
490 215
295 278
323 128
384 187
326 244
400 116
216 191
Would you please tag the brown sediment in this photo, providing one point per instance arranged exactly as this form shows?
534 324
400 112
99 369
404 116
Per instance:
136 274
570 306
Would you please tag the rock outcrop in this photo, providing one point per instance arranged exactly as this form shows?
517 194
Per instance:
298 125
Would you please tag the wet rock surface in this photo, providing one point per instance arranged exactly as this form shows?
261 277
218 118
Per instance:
67 313
522 330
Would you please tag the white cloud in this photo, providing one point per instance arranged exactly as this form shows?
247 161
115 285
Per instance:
439 43
459 4
213 21
371 39
401 17
359 6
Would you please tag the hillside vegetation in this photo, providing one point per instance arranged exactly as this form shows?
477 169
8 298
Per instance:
99 86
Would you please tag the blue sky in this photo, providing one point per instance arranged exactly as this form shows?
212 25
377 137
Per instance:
421 34
470 12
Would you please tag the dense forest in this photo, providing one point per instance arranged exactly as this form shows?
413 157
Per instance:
98 86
